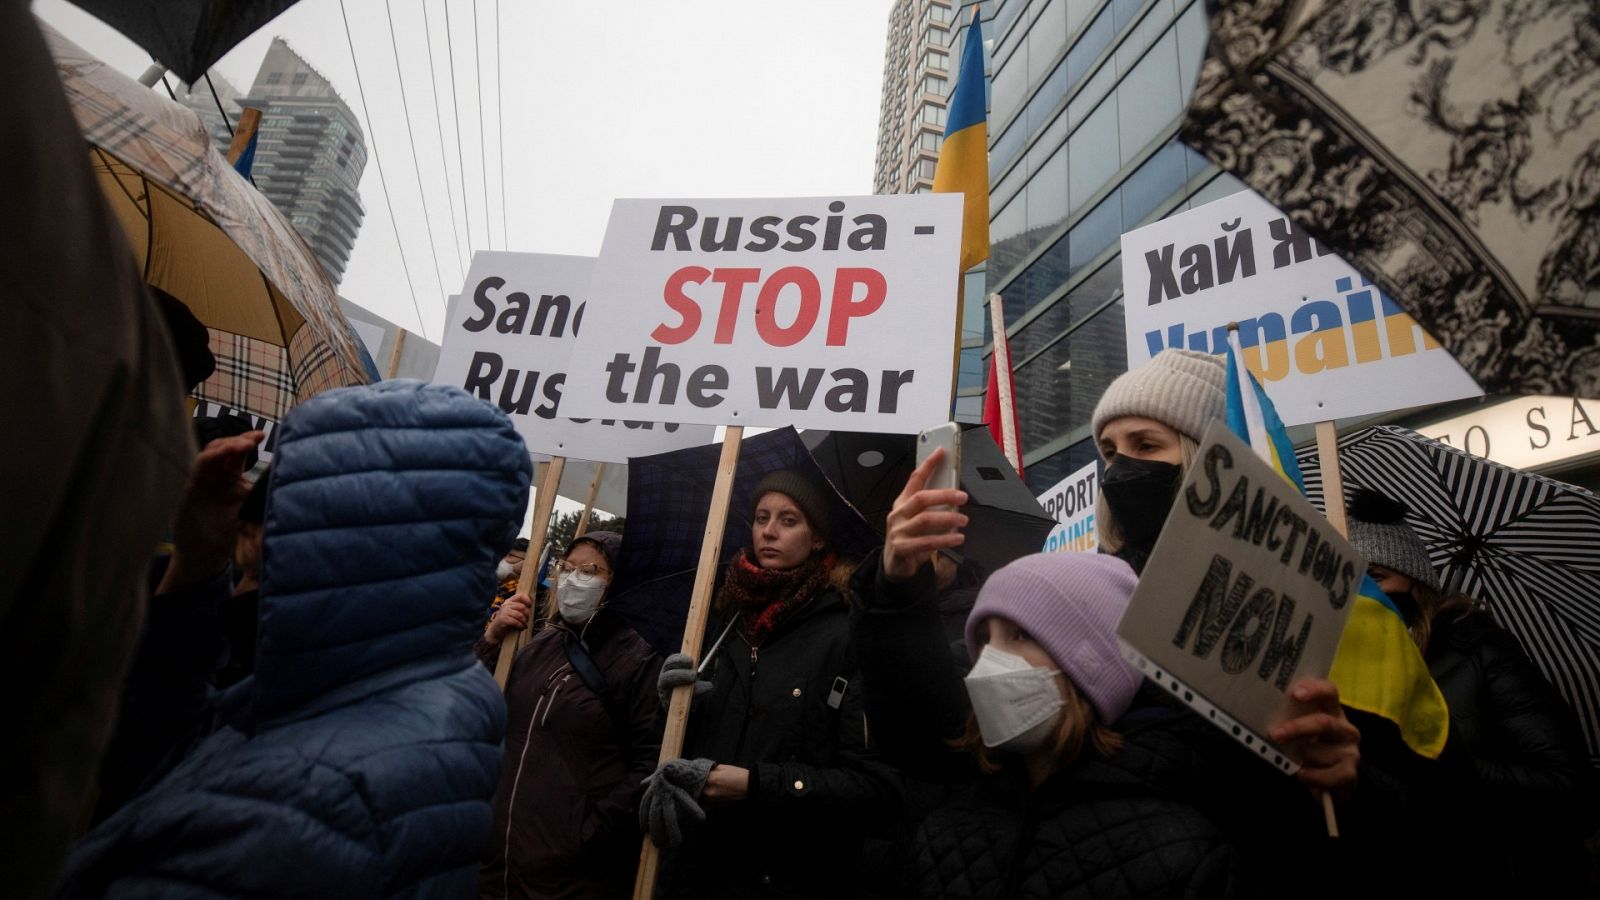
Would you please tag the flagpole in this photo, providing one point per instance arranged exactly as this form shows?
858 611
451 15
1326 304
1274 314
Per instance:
1002 376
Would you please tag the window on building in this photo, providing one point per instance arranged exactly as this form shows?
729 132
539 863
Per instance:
929 141
937 60
299 78
940 13
925 168
933 84
274 77
933 115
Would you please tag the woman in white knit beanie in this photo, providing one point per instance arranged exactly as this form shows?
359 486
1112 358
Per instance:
1147 427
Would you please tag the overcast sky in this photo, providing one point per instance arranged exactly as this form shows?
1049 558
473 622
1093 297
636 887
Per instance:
598 100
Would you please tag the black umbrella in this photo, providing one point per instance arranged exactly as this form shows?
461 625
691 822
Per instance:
1448 151
1005 520
187 36
669 499
1528 547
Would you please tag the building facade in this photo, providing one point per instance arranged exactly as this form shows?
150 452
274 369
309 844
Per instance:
198 98
1086 97
917 78
310 153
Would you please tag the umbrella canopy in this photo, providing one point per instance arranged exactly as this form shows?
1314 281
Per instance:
1528 547
1005 519
1448 151
187 36
203 234
669 499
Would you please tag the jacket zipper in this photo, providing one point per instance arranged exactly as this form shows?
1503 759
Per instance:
511 802
552 702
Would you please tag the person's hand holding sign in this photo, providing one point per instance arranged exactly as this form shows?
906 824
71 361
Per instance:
1330 746
922 522
512 616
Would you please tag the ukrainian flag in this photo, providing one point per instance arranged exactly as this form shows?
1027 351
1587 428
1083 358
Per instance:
1378 668
964 156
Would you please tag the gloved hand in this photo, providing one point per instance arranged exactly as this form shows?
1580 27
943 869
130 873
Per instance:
678 669
671 800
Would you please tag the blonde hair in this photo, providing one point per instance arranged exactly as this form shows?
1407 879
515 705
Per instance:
1080 725
1110 534
1431 605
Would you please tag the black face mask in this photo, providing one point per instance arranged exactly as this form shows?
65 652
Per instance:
1140 494
1407 605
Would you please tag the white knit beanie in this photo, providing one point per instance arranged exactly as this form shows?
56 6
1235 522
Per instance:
1180 388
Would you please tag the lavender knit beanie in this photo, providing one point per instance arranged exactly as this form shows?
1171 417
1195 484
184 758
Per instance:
1070 603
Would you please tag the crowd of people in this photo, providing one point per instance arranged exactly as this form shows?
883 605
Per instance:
310 708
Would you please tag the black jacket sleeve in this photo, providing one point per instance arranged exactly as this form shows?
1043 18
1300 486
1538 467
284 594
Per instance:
914 697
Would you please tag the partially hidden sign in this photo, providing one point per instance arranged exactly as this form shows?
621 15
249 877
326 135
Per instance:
1324 341
1245 594
509 339
1071 502
834 313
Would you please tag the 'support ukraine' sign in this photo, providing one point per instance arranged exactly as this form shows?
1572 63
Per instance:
1246 593
819 313
509 339
1323 340
1072 502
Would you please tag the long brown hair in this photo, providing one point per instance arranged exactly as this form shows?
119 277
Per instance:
1431 607
1080 725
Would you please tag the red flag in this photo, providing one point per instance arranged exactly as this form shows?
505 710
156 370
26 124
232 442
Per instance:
1002 417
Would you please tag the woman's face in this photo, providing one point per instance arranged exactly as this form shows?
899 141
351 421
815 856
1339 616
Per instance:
585 558
1003 634
780 536
1389 581
1140 438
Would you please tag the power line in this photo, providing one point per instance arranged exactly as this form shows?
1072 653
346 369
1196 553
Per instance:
383 183
438 121
455 104
483 159
416 165
500 118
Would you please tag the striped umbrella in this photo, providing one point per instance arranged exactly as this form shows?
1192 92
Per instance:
1526 546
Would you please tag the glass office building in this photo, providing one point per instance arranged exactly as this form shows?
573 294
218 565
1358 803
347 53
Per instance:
1085 100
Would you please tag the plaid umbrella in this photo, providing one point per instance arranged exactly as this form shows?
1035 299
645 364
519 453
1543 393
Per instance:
1450 151
669 499
1528 547
204 235
188 36
1005 520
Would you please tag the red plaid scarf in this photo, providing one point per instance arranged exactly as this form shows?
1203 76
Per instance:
765 597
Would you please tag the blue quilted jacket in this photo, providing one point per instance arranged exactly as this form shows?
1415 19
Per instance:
361 758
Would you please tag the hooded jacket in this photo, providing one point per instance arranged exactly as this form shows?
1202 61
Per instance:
360 758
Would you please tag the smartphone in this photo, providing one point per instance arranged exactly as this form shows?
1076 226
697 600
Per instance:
948 436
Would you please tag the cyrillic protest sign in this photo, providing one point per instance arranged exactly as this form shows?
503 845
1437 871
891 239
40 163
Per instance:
1325 341
834 313
1245 594
1071 502
509 339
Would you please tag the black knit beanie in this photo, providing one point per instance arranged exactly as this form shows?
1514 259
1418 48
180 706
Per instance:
806 492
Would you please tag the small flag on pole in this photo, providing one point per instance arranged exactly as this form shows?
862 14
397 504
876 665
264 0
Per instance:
1000 399
1378 668
964 156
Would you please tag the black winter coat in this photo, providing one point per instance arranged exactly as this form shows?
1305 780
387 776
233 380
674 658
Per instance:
1528 788
566 809
790 711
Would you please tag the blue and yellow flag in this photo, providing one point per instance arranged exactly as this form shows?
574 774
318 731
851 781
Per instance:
964 156
1378 668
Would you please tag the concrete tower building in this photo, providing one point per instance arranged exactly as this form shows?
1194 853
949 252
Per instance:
917 79
309 155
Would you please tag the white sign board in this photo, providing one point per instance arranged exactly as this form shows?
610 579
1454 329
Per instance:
833 313
1525 432
1245 594
1071 503
509 339
1325 342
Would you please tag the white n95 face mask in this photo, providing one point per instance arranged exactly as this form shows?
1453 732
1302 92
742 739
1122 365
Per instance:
578 596
1017 705
503 570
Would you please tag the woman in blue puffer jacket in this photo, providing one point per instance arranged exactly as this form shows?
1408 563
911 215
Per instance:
361 758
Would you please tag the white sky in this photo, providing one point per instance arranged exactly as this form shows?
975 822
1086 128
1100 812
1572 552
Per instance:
690 98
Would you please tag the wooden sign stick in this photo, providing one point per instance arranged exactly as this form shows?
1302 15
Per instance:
1333 505
588 502
549 483
694 630
249 121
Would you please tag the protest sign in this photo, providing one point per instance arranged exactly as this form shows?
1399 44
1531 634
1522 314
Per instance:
1325 341
824 312
1245 594
509 339
1071 503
